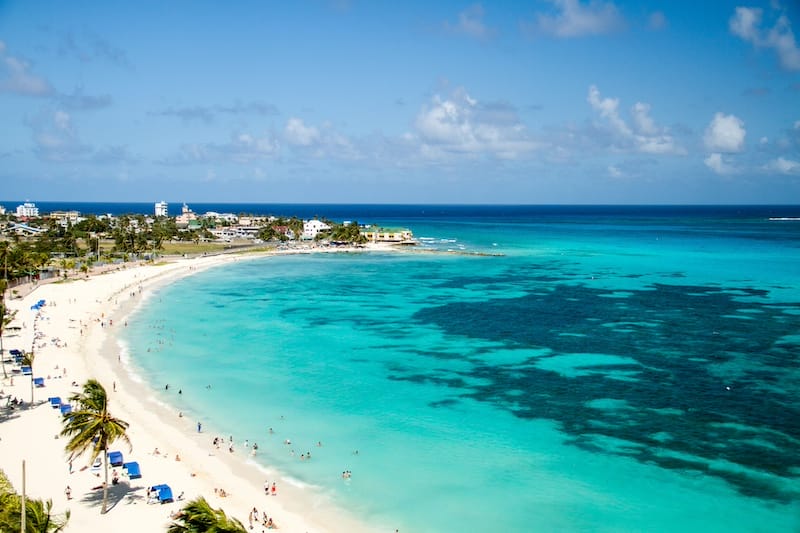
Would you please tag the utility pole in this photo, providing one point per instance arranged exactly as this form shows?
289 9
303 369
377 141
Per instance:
22 512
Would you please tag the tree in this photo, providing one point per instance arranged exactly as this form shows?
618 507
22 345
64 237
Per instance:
92 428
27 360
197 516
6 317
38 515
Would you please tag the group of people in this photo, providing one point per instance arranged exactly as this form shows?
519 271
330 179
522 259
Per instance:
266 521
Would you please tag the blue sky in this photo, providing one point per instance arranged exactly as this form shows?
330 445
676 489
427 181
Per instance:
552 101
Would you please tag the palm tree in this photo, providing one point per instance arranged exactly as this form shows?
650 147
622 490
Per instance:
38 515
6 316
91 427
197 516
27 360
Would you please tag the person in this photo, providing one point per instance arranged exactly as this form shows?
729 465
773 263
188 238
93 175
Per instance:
274 489
199 427
115 478
68 492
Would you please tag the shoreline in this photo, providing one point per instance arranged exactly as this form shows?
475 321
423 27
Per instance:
97 308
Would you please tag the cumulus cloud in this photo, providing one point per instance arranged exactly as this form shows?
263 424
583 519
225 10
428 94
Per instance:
460 125
55 138
470 23
297 133
782 165
725 133
746 23
716 163
16 76
572 18
319 141
642 136
242 148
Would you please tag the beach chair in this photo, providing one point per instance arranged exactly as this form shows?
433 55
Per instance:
133 470
39 382
55 402
115 458
165 494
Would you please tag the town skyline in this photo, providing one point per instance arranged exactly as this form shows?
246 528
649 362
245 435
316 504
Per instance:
549 102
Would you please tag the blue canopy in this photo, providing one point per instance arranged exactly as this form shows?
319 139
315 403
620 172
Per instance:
27 371
134 472
66 409
14 351
165 494
55 401
115 458
39 382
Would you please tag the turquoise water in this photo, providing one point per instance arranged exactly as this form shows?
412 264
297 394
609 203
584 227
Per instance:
578 373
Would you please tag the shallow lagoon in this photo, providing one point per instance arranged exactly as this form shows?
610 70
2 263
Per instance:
604 374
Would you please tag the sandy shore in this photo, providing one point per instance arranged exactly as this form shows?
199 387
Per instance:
77 340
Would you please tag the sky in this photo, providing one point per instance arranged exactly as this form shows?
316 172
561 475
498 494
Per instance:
537 102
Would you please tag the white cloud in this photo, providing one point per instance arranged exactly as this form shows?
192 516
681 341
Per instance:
319 141
470 23
459 124
297 133
16 77
725 133
784 166
645 136
716 163
746 24
56 139
614 172
575 19
242 148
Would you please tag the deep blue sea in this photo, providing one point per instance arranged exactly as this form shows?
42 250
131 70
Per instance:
549 369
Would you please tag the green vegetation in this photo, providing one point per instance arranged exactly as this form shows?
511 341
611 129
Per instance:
92 428
38 514
197 516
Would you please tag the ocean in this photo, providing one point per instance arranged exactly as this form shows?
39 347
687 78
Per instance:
525 368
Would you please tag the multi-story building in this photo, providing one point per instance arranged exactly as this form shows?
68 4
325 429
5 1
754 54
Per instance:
161 209
27 210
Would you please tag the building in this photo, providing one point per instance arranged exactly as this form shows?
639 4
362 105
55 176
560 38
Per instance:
2 210
186 217
27 210
396 236
312 228
162 209
65 218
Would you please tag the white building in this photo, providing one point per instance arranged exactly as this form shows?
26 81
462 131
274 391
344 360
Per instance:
27 210
161 209
312 228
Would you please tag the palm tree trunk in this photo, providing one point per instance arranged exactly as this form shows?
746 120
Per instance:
104 509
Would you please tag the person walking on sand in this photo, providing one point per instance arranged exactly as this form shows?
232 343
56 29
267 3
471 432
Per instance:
68 492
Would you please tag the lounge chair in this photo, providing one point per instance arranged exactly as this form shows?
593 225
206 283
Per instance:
115 458
134 472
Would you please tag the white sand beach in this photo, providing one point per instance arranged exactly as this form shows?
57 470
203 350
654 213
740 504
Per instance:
76 341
